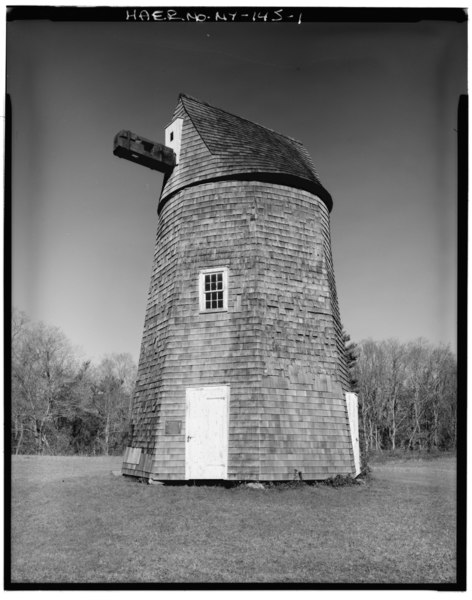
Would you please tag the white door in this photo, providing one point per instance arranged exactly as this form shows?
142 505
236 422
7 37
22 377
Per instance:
353 414
206 433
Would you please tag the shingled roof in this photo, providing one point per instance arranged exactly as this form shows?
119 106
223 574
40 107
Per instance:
218 145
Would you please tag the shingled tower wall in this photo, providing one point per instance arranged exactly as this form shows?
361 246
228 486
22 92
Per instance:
248 200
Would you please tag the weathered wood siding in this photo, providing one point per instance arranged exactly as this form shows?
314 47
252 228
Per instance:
277 346
304 424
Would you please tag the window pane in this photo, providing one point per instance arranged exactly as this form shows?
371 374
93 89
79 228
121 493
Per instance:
213 290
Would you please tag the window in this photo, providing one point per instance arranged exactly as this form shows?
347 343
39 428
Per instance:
213 284
173 137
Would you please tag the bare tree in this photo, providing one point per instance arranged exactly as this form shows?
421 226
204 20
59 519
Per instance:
371 373
407 394
60 402
20 322
442 385
114 382
43 362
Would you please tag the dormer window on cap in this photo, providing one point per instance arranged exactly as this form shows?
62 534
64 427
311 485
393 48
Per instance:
173 137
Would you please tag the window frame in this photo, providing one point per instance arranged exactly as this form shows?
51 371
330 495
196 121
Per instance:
201 289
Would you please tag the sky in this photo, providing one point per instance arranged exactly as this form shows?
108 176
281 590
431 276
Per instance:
375 104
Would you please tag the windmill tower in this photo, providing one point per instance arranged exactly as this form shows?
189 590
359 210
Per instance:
242 372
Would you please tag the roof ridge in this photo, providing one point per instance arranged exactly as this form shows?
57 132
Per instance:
187 96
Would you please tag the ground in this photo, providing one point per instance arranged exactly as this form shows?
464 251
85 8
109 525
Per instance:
73 521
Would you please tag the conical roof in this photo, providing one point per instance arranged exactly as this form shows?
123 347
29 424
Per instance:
219 145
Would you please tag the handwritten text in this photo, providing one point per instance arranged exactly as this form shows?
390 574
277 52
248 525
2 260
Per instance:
264 16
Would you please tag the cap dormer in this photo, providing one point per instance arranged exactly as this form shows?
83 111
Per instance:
173 137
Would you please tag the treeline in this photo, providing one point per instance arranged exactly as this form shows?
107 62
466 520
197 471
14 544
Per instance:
61 404
407 394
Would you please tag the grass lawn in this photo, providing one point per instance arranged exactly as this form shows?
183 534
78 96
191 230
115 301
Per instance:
73 521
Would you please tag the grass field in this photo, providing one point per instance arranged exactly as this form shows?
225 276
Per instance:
73 521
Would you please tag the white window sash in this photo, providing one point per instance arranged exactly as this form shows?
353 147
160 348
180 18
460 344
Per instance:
201 289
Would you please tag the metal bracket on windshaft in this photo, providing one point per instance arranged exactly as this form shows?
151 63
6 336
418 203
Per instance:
144 152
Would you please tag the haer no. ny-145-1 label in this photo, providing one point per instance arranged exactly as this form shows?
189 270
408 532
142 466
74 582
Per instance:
211 15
